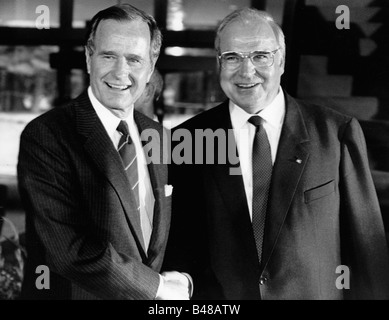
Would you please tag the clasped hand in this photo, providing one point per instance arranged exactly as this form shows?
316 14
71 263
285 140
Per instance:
175 286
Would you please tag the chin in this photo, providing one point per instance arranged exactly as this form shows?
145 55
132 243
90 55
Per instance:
250 104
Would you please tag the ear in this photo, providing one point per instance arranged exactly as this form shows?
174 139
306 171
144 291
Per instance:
151 73
88 59
217 63
282 65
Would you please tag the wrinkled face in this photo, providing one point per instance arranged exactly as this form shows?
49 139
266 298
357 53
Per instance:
120 65
249 87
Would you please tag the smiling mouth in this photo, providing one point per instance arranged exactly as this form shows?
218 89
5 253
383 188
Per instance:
118 87
246 85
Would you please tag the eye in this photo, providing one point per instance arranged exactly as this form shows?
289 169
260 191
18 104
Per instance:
133 60
260 57
108 57
231 58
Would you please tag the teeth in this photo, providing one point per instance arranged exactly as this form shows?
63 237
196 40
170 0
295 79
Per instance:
246 85
113 86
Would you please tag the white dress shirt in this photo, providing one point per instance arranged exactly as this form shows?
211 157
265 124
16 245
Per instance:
273 116
146 195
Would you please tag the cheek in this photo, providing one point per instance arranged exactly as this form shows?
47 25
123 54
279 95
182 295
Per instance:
145 77
269 76
279 68
225 84
226 78
99 68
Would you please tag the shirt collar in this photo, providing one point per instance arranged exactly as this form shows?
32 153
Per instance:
273 114
109 120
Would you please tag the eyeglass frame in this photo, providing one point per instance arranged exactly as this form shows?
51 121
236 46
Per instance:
245 55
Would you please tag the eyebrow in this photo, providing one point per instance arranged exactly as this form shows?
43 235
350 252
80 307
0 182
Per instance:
107 52
131 55
260 51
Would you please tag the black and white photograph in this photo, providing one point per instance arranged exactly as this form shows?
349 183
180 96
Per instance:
205 152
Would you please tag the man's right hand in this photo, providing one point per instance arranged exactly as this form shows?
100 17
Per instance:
175 286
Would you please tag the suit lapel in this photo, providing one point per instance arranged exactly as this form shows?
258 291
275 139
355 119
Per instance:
292 156
157 171
158 178
99 147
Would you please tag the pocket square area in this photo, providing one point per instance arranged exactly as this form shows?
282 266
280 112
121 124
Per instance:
168 190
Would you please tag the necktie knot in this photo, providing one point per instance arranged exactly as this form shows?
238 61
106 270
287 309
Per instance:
123 129
257 121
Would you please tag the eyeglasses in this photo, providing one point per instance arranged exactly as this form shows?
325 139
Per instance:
232 60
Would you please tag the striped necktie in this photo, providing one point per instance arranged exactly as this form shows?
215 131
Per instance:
126 149
262 170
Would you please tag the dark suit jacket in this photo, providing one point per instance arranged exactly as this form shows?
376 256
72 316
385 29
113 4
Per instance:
80 218
322 213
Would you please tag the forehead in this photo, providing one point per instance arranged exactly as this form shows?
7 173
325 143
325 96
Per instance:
111 32
248 35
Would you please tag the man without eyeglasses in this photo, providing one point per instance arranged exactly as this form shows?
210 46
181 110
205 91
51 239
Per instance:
304 204
98 214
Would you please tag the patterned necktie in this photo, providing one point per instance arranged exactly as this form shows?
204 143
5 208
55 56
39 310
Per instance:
262 170
127 152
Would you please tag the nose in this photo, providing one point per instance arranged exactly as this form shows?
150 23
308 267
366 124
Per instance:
121 68
247 68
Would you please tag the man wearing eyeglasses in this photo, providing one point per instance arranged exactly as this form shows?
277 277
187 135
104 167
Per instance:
302 219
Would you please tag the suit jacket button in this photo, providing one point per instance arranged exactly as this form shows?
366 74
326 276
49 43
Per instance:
262 280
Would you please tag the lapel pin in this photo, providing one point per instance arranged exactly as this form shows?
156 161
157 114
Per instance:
298 160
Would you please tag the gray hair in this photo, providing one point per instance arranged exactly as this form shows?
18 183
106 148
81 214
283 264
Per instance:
126 12
247 14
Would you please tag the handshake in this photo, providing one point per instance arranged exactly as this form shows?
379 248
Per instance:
175 286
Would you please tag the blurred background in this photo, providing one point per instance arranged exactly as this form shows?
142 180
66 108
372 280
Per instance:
345 69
